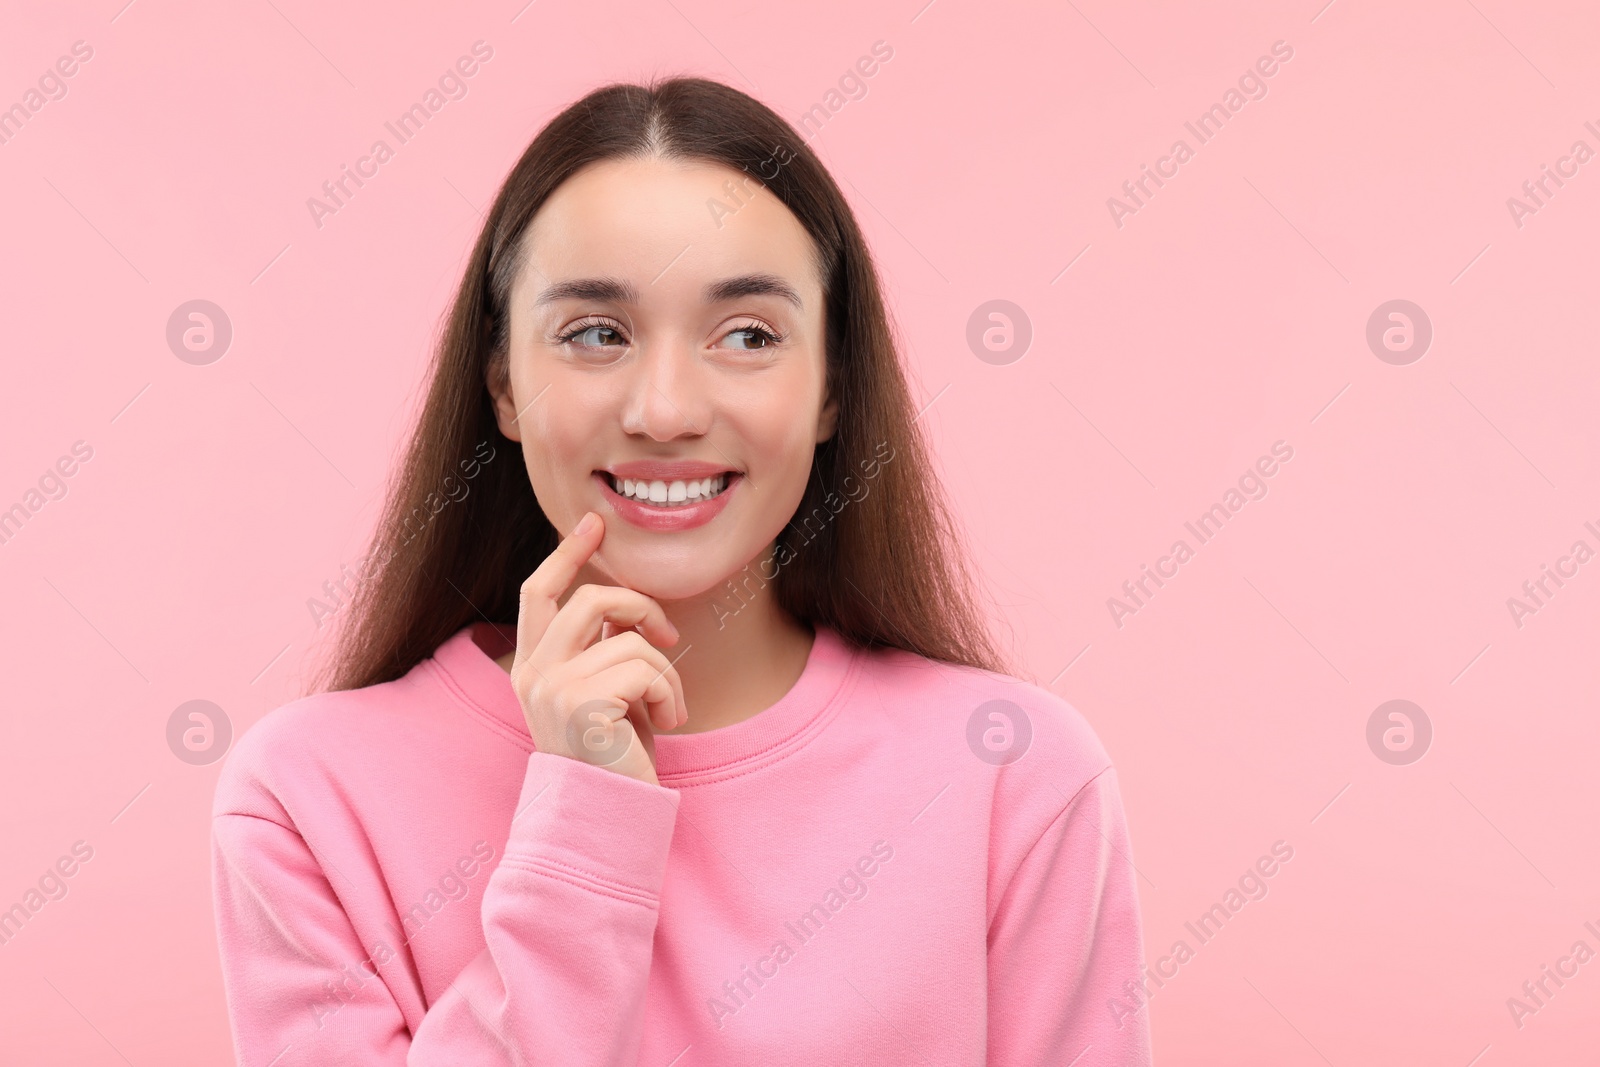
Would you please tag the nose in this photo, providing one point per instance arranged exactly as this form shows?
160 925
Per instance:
666 396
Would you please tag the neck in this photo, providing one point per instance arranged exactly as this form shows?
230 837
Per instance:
736 655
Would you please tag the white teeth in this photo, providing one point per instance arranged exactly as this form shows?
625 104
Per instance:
670 494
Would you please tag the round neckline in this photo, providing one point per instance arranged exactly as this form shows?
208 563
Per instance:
467 664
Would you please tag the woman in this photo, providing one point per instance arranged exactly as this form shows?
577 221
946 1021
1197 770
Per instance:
728 774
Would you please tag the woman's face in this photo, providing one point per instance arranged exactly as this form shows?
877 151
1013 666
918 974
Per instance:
667 328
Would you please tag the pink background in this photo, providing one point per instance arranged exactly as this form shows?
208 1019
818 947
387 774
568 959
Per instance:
1228 313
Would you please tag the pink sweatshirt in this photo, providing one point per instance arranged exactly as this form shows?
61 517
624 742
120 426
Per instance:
843 878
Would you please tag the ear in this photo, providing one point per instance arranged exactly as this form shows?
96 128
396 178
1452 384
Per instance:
828 418
505 404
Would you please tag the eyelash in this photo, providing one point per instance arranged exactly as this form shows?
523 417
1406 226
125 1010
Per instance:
584 325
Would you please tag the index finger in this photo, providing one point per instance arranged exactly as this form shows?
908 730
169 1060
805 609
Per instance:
542 590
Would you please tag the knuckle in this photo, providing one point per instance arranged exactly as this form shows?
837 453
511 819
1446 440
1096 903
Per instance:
530 689
643 649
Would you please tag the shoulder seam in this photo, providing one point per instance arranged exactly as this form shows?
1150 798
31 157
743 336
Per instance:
1087 782
248 815
1065 808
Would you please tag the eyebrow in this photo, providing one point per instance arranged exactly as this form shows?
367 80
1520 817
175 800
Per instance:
624 292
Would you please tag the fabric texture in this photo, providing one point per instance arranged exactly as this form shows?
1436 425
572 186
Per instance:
850 876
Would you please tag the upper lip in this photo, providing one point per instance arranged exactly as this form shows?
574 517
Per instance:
676 471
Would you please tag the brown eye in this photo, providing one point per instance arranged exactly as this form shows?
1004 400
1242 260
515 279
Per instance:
594 336
756 334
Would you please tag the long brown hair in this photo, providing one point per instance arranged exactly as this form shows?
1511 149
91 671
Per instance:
881 563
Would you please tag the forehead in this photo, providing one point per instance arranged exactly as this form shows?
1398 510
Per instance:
667 226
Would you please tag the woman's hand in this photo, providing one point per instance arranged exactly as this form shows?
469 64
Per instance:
587 693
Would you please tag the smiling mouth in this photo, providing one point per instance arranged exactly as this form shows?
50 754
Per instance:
673 494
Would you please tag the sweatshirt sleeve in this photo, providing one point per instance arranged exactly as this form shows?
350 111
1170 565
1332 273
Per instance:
568 917
1065 945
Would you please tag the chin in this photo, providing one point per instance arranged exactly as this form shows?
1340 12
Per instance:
667 580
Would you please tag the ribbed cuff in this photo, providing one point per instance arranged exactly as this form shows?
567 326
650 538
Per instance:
594 824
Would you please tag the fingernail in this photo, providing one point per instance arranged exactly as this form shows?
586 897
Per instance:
586 524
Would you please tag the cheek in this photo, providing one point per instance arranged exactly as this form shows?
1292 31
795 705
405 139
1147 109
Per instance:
779 428
558 440
782 449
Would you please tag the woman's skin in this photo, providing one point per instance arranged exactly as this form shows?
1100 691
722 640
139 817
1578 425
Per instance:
660 371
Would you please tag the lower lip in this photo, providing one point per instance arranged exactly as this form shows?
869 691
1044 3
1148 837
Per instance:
681 517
